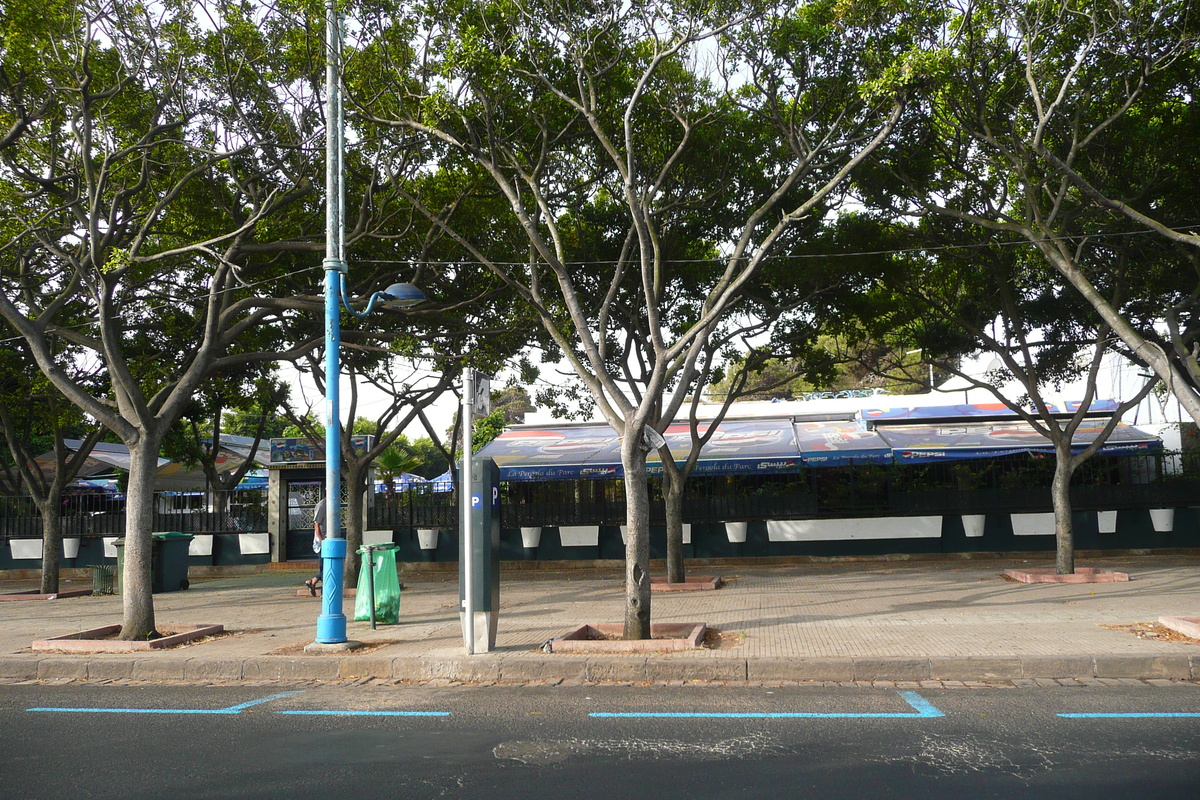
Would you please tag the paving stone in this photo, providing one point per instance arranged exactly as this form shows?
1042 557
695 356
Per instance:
158 669
1138 666
800 669
898 669
70 668
109 669
568 668
711 669
976 668
479 668
365 666
626 668
18 668
1057 667
279 668
212 669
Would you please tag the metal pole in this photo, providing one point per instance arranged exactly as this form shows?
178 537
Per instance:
467 551
331 625
371 584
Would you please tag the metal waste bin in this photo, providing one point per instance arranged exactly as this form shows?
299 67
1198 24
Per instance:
102 578
170 561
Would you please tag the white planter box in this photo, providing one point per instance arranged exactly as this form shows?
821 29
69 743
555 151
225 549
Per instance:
253 544
200 546
736 531
1163 519
1033 524
973 525
25 549
531 537
427 538
1106 521
377 537
579 535
826 530
110 547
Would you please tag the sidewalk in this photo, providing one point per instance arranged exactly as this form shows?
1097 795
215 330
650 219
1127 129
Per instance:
864 621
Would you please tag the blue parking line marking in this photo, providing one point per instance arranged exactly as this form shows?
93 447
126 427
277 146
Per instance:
230 710
1133 715
922 709
369 713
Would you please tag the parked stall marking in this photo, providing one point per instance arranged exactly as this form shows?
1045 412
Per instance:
922 709
231 710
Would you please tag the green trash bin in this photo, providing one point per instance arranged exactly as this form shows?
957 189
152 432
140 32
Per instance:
170 561
119 578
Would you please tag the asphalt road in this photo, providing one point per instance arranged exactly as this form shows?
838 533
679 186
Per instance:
374 741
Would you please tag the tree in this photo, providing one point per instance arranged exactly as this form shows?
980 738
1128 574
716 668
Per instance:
512 403
963 297
160 153
34 417
560 108
196 438
1066 124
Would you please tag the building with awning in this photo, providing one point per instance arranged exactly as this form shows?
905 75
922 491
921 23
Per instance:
107 457
775 445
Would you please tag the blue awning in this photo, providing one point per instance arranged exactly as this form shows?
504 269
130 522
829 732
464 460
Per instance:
970 439
764 446
835 444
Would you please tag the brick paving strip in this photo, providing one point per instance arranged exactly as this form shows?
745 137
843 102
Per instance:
948 623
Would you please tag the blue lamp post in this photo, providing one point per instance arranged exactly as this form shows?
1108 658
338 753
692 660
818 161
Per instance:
331 624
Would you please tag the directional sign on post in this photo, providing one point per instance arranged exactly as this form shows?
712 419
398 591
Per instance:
482 404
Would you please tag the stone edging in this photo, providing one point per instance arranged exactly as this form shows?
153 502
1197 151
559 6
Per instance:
652 669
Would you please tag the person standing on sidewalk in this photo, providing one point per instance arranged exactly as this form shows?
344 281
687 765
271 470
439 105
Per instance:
320 511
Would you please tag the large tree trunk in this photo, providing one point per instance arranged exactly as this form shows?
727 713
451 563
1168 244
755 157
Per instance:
355 478
1060 496
637 537
52 540
137 600
673 497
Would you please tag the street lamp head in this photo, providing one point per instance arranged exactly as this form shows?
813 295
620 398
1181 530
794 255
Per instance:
401 295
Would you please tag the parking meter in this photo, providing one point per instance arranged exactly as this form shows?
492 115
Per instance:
479 543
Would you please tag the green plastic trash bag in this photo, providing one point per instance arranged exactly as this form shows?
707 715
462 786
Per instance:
387 587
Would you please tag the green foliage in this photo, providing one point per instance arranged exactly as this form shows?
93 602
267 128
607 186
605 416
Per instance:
486 429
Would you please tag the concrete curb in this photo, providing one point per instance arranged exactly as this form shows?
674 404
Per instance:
571 667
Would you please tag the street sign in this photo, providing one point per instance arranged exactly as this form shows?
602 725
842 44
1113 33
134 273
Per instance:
481 406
